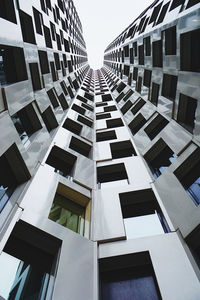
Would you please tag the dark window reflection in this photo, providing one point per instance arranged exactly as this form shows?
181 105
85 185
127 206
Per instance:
2 72
162 161
194 191
138 284
5 193
24 136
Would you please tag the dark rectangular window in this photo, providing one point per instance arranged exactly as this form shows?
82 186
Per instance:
163 13
135 73
142 205
33 254
156 126
192 3
53 97
169 86
186 112
27 27
130 275
78 109
87 106
155 13
12 65
66 45
121 87
131 56
126 107
140 103
139 84
7 11
170 41
82 99
155 93
141 55
147 43
57 61
193 242
43 6
157 54
53 71
126 70
64 87
84 121
62 161
112 172
137 123
38 20
189 51
48 4
122 149
128 94
135 48
159 158
26 123
47 37
126 51
147 78
35 76
189 176
58 42
89 96
72 126
49 119
176 3
110 108
106 136
53 31
121 95
13 172
103 116
114 123
44 63
80 146
63 101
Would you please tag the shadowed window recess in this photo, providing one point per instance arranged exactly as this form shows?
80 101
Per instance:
142 214
114 172
29 260
159 158
189 176
27 123
187 112
62 161
122 149
71 209
12 65
68 214
128 277
13 172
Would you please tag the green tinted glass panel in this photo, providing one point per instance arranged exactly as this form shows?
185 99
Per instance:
68 214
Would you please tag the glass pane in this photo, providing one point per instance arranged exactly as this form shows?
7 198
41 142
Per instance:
19 280
194 191
143 226
129 285
68 214
24 136
2 73
8 270
5 193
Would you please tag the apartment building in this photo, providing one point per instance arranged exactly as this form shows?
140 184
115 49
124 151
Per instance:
99 169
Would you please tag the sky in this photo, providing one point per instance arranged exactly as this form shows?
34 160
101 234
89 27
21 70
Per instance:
103 21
